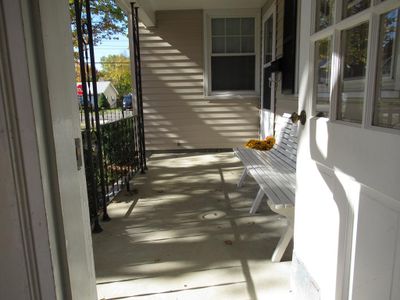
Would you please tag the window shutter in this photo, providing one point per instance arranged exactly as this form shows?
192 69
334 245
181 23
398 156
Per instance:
289 47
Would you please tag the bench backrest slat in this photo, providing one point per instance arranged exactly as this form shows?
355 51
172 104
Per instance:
286 140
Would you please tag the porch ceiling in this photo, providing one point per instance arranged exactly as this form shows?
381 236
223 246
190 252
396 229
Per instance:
204 4
149 7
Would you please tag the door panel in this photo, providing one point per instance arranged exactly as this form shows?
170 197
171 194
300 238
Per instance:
347 199
376 236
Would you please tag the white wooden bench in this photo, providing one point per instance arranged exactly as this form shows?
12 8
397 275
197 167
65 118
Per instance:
275 173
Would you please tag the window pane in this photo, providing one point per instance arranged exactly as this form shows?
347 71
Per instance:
218 45
353 64
232 36
389 29
268 26
351 7
323 58
233 26
232 44
233 73
247 26
248 44
324 16
218 26
387 100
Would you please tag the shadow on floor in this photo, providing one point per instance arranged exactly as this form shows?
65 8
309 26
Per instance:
185 233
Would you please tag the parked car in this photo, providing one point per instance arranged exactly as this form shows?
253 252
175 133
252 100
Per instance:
127 102
80 99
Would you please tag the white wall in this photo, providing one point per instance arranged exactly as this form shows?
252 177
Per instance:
177 114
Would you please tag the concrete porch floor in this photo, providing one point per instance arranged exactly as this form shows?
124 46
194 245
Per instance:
187 234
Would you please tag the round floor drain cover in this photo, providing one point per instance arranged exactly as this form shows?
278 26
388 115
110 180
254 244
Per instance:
212 215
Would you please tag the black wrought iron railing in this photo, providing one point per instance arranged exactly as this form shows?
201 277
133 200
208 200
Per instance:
120 161
138 83
113 140
108 115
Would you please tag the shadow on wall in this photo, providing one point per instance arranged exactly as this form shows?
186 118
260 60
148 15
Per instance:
177 115
357 222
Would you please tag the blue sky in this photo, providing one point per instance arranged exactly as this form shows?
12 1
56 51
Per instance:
107 47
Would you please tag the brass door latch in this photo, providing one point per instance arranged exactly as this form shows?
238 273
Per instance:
295 117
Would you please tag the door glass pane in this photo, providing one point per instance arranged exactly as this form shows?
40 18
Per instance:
232 44
218 26
351 7
324 12
247 26
323 58
387 100
353 64
268 40
233 26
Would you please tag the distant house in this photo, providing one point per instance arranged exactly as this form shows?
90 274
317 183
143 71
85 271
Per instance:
103 87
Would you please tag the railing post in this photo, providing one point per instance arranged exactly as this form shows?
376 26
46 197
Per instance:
138 82
96 114
88 137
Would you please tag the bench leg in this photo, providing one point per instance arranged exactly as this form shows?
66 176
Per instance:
257 201
242 178
282 244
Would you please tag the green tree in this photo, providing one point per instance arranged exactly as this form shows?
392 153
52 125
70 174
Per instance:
116 68
103 102
108 20
355 56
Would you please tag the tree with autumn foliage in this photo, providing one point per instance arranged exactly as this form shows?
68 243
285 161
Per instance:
116 68
108 22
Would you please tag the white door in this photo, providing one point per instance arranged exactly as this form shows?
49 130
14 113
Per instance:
267 78
347 226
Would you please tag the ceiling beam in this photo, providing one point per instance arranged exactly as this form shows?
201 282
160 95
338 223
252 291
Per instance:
146 11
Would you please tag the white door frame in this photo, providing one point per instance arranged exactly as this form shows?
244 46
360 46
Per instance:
44 220
266 117
25 255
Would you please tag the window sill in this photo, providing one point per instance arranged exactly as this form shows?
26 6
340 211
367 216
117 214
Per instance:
232 95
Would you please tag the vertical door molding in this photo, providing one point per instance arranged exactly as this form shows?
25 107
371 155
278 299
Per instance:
26 254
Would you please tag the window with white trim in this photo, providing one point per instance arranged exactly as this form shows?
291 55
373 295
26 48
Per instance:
232 56
357 44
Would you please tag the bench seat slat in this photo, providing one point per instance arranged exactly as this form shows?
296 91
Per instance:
287 160
283 182
276 179
276 156
281 177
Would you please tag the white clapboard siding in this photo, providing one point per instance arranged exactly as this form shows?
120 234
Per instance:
176 113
